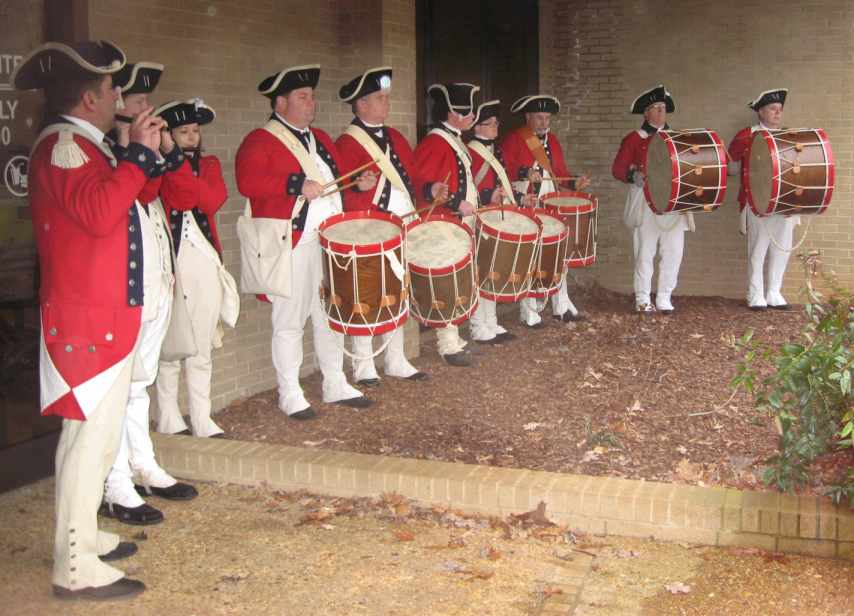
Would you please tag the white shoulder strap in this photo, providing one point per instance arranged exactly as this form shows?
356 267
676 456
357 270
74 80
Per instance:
493 162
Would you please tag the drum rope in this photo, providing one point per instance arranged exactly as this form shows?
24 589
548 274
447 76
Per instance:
796 246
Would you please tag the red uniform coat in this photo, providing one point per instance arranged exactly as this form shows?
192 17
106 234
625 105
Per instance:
490 180
81 218
738 149
271 178
436 160
518 159
353 156
631 155
183 190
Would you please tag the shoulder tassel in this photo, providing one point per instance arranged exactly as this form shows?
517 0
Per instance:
67 154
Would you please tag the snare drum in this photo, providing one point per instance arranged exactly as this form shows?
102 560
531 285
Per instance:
440 262
551 255
789 171
686 171
580 212
363 291
506 252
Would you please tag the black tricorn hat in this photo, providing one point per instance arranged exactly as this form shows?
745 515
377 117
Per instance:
290 79
777 95
138 78
537 103
487 110
52 63
179 113
658 94
456 97
372 80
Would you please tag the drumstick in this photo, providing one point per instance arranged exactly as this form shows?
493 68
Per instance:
339 189
430 207
348 174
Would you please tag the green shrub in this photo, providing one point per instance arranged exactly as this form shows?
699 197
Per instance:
808 390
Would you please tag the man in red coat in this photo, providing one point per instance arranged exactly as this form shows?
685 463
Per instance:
494 188
366 139
535 160
443 175
91 293
651 232
767 236
280 166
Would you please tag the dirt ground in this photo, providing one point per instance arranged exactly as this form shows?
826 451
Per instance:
240 550
618 394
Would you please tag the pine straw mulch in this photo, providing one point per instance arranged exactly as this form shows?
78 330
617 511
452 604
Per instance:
618 394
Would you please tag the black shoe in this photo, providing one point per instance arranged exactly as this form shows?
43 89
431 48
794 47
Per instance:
359 402
183 433
177 491
505 337
303 414
568 317
758 308
122 550
665 313
459 359
135 516
368 382
491 341
218 435
120 589
781 307
418 376
539 325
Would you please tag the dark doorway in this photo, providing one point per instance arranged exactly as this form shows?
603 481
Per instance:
494 44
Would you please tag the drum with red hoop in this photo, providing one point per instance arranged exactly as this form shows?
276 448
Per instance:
686 171
364 291
506 252
551 255
440 265
789 171
580 213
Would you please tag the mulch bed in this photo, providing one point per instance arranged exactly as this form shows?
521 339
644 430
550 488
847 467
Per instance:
618 394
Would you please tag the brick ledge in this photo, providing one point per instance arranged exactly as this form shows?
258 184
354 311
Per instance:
600 505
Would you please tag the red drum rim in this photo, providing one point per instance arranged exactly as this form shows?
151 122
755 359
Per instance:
580 262
383 327
504 235
543 294
448 269
775 191
553 239
361 249
571 209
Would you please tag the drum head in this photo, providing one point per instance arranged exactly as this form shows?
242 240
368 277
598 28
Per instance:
437 244
361 232
760 180
509 222
552 225
659 173
566 201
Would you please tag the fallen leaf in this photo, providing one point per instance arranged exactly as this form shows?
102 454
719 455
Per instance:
479 574
745 551
551 591
327 527
677 588
456 542
682 449
537 517
401 534
490 553
531 426
140 536
626 554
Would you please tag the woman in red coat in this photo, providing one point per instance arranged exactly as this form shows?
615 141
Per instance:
192 196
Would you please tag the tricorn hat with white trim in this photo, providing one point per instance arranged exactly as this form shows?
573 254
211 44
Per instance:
290 79
456 97
179 113
658 94
53 63
487 110
138 78
767 97
372 80
537 103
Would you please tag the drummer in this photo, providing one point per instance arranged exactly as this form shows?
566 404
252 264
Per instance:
275 166
368 138
443 178
494 188
664 233
539 167
767 236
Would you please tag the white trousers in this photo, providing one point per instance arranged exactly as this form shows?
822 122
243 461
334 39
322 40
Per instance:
84 455
769 236
289 319
136 451
203 290
484 322
394 361
664 234
448 340
530 308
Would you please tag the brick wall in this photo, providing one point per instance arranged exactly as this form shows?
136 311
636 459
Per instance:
597 55
221 51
